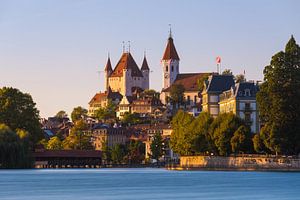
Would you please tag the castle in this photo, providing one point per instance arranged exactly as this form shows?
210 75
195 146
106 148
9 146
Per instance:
127 76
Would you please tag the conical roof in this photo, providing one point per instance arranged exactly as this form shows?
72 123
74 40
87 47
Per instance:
108 65
170 51
145 64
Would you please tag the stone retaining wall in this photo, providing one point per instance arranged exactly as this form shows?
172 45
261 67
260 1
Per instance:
240 163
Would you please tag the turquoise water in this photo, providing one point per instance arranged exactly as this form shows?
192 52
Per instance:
129 184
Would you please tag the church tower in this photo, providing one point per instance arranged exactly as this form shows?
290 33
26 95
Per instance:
108 70
145 71
170 63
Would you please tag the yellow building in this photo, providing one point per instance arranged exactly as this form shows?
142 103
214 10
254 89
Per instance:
213 87
104 135
100 100
240 99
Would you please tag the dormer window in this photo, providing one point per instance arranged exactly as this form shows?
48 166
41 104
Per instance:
247 93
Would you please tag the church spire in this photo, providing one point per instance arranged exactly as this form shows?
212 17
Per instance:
170 51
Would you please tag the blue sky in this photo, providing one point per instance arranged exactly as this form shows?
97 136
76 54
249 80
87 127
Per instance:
53 49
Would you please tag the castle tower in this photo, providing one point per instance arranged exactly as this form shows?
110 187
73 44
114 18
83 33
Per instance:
108 70
170 63
145 71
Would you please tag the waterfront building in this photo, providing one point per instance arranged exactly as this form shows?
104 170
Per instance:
109 136
213 87
240 99
165 131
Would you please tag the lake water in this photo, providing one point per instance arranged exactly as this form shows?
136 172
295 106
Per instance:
129 184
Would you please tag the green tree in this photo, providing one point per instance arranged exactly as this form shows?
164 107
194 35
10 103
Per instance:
150 93
135 152
131 118
14 148
241 140
156 146
177 95
201 81
258 144
240 78
278 100
199 134
78 137
18 111
180 138
118 153
106 153
227 72
61 114
78 113
222 130
109 112
54 143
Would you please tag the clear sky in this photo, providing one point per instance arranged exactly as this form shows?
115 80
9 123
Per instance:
54 49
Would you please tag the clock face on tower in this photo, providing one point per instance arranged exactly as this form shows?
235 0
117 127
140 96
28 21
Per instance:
166 75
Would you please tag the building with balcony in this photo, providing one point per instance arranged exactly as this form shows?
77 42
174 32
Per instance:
240 99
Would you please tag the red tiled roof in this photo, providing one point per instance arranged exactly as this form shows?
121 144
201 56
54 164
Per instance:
189 81
98 97
126 62
170 52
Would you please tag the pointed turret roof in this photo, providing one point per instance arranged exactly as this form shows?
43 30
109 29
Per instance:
108 65
145 64
170 52
127 62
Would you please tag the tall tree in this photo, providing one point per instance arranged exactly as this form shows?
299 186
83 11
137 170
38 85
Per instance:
18 111
117 153
61 114
177 95
78 137
156 146
199 134
180 138
222 130
78 113
14 148
279 104
241 140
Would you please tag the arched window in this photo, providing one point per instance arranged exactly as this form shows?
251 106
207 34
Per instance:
172 68
167 68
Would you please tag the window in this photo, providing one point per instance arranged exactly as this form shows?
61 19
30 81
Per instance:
167 68
172 68
247 106
195 99
188 100
247 118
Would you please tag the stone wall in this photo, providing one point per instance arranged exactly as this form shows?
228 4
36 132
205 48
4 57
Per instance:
255 162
